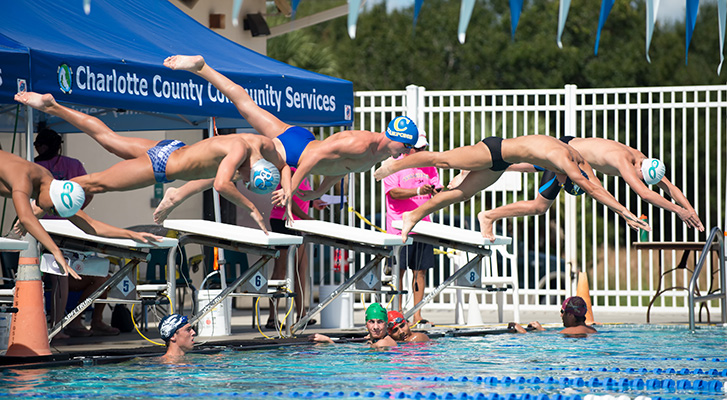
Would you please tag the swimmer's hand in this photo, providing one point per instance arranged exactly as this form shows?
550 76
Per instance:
279 198
318 338
691 219
145 237
319 204
636 223
307 195
255 214
61 260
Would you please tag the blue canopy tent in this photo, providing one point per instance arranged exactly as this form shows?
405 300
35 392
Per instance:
112 59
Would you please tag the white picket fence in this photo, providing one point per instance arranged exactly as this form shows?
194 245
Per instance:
681 125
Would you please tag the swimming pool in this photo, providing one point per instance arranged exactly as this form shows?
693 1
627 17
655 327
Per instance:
622 360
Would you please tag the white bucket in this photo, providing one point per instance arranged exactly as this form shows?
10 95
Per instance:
5 319
339 313
217 321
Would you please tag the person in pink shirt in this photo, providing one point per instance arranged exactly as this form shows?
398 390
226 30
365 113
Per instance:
277 224
406 190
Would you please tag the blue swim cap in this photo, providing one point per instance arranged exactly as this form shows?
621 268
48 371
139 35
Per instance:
264 177
170 324
573 189
404 130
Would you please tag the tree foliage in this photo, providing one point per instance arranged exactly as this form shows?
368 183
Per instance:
388 53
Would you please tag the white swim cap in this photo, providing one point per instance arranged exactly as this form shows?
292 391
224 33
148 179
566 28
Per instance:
264 177
67 197
653 170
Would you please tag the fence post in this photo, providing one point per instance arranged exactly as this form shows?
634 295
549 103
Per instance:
571 209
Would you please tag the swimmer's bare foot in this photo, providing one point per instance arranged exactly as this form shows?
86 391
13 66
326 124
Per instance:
384 170
166 206
185 63
486 225
408 223
41 102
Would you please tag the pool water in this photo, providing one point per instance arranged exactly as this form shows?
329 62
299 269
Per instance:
622 360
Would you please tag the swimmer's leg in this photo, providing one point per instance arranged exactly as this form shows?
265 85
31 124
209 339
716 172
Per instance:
124 147
175 196
261 120
475 182
122 176
475 157
523 208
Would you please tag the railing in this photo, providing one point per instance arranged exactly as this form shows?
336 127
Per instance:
722 292
682 125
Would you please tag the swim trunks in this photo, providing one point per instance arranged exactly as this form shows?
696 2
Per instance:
295 139
494 143
159 155
549 186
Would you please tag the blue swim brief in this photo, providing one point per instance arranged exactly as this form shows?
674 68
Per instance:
159 155
295 139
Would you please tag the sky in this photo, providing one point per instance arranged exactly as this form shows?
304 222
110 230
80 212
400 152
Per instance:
669 10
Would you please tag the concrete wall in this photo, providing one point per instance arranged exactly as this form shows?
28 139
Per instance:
202 9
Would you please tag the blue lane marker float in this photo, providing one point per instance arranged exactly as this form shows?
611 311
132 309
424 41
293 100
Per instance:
610 383
443 396
657 371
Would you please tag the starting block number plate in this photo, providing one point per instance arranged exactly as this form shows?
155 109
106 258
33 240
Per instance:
472 277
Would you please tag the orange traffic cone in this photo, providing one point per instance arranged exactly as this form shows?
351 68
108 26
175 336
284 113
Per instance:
583 291
28 330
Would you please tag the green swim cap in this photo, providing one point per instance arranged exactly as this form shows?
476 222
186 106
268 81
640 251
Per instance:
376 311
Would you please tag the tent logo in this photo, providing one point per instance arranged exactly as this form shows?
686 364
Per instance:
65 78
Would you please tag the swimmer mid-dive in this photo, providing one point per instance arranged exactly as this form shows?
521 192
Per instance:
487 160
23 180
338 155
227 158
608 157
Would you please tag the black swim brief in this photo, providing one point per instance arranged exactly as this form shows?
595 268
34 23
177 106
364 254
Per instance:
494 143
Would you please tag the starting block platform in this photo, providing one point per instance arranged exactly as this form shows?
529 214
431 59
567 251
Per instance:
379 245
70 237
470 275
13 245
236 238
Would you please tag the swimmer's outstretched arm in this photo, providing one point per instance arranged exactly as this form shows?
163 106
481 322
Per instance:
592 186
225 185
21 201
98 228
683 208
176 196
260 119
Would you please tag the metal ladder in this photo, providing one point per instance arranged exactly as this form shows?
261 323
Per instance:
722 292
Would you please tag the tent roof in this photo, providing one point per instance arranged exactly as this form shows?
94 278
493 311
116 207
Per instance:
112 58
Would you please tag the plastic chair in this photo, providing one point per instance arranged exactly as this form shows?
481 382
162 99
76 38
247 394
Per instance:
235 264
156 274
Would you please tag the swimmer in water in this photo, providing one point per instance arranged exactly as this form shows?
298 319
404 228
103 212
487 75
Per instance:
376 321
400 330
178 336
